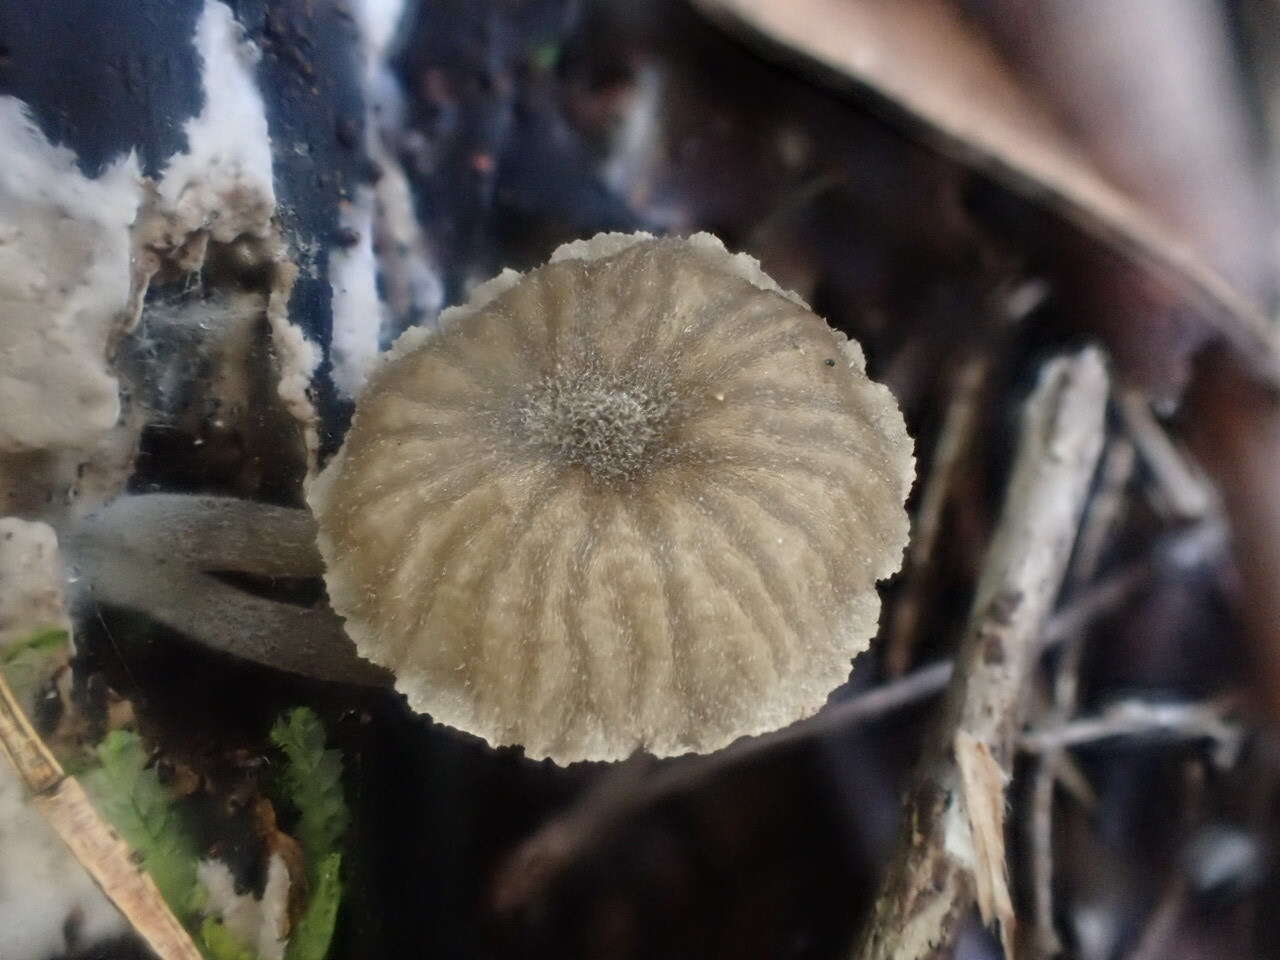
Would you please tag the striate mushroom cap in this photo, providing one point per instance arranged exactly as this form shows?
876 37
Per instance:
638 498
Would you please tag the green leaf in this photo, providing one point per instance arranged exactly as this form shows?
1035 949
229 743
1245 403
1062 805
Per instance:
219 944
314 931
39 642
311 937
133 800
28 663
312 782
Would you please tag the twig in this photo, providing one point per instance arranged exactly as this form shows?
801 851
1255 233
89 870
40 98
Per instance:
1156 941
1186 493
957 438
1073 780
930 883
1183 550
1104 510
1129 719
958 431
1141 718
64 804
1045 942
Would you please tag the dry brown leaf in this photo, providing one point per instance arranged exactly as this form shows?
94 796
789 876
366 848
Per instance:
1151 90
947 79
982 786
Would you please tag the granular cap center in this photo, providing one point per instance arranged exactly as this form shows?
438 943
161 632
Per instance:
614 426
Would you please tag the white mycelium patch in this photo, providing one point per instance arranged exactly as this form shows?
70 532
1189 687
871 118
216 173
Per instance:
66 288
411 286
43 888
379 22
357 310
223 182
64 284
262 924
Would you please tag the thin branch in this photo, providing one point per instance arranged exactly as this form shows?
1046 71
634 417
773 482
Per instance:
959 429
1157 938
1103 514
63 803
1185 491
1045 942
930 883
1210 720
1106 509
1183 550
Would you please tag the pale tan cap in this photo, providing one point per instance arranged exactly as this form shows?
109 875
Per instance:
638 498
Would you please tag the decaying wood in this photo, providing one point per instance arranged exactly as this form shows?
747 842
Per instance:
982 785
930 883
64 804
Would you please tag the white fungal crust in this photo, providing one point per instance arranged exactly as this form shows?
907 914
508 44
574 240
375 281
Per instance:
639 499
64 284
49 905
223 182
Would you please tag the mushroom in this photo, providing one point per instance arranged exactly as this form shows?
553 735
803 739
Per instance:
637 498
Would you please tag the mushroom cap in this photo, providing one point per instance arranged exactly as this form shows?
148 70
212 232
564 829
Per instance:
638 498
